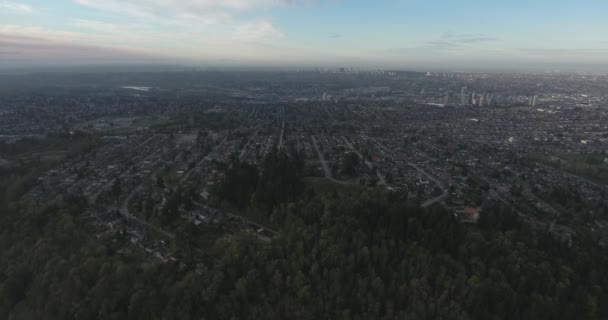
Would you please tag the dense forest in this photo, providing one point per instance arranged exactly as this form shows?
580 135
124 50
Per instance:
363 254
278 181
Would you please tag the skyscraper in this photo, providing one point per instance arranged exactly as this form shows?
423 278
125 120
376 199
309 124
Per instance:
463 96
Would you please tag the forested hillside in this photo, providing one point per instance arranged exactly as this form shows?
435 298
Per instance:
353 255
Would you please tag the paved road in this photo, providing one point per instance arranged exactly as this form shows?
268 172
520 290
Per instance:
124 211
187 174
525 217
381 178
251 222
432 201
350 145
247 220
326 170
282 134
591 182
329 114
255 134
439 184
198 164
93 197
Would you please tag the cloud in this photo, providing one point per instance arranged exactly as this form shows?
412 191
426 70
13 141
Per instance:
44 51
449 35
204 11
562 51
253 40
446 43
15 6
441 44
221 22
97 26
476 39
447 46
19 32
466 37
256 31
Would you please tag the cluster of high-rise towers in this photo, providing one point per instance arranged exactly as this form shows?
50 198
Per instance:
473 99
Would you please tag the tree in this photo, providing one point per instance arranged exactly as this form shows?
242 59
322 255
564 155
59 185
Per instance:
350 161
116 188
239 184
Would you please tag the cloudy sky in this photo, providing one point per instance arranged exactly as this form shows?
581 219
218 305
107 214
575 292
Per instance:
361 33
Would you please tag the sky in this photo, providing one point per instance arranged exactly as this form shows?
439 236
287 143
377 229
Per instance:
410 34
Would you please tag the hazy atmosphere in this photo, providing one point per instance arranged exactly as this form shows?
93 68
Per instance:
415 34
303 159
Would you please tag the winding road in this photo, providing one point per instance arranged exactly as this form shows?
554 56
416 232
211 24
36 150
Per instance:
124 211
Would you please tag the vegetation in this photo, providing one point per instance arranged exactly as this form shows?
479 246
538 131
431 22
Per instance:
240 182
339 256
196 119
590 166
323 185
279 181
30 157
349 164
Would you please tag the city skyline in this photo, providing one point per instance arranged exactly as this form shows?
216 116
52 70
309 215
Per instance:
467 35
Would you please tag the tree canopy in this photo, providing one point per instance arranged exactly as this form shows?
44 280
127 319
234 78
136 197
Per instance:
360 255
